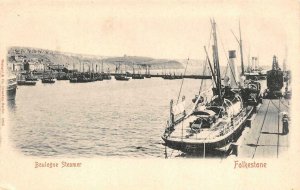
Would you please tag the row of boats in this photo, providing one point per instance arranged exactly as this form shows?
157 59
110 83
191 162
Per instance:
29 79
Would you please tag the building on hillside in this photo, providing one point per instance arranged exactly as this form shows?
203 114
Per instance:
58 68
16 66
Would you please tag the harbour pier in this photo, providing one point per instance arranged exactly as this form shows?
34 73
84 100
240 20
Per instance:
264 136
162 75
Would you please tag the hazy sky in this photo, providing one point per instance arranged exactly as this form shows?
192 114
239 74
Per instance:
173 29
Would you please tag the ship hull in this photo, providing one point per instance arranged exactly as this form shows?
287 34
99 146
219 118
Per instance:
199 146
11 92
121 78
49 81
26 83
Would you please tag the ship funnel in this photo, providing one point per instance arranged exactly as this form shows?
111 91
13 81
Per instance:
254 63
232 70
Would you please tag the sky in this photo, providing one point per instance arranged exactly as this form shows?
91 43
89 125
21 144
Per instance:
168 29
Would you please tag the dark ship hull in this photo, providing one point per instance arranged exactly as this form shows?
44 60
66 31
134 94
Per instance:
193 146
11 92
26 83
62 78
121 78
137 76
48 80
11 89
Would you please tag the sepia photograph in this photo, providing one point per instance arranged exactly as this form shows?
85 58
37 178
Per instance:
196 85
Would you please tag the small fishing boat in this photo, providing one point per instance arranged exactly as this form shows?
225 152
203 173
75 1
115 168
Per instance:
105 76
168 76
136 75
63 76
47 78
122 77
178 76
147 74
30 77
80 78
119 74
23 82
83 77
11 86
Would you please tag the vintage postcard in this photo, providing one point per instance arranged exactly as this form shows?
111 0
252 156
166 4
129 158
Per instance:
149 94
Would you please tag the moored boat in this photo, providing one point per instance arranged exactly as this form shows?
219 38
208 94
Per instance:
119 74
147 73
26 83
62 77
47 77
22 81
168 76
48 80
31 77
136 75
254 72
213 123
11 89
121 77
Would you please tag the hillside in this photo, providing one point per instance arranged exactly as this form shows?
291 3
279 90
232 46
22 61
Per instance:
43 56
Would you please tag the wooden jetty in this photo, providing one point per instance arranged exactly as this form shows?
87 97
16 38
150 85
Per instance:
263 136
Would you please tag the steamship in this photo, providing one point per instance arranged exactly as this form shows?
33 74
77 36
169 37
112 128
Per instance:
214 123
255 72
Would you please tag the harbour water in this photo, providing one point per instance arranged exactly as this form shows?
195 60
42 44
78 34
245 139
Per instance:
105 118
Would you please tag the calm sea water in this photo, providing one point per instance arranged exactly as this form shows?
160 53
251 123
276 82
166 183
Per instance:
104 118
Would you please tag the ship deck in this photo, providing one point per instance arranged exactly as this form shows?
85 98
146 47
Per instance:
264 136
182 129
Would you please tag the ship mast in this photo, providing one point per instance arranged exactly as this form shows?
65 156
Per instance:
241 50
275 63
216 61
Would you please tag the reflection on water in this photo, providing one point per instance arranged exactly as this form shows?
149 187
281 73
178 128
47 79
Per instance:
105 118
11 105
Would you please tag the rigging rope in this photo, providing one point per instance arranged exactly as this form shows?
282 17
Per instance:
182 80
206 60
